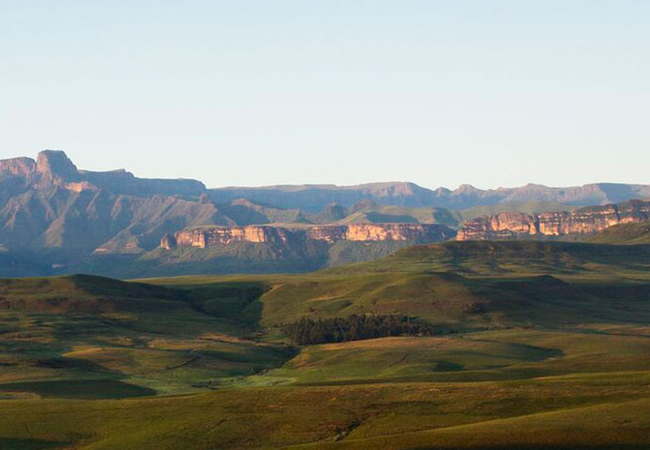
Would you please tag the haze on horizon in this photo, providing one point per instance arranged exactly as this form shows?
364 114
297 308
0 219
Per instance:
439 93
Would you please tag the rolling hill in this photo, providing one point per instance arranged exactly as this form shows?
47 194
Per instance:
121 338
633 233
536 345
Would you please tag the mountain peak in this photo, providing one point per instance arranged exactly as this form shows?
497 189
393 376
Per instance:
17 167
467 188
55 163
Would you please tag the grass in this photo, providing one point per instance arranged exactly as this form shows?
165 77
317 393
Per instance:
629 234
402 415
60 330
79 389
542 345
608 426
485 356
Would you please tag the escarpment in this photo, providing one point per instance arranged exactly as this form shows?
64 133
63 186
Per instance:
584 221
207 237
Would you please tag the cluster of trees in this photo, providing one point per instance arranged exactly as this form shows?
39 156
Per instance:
353 328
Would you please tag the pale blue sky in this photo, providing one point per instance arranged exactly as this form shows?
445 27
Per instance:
492 93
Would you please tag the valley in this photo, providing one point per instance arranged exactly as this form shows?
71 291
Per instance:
162 314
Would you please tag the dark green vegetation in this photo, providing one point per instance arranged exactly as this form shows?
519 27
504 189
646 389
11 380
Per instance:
79 389
542 345
353 328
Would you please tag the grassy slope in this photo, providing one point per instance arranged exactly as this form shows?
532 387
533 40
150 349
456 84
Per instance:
569 410
570 261
514 354
581 360
467 285
61 330
636 233
609 426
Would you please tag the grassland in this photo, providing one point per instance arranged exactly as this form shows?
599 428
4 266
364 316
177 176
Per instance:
630 234
539 345
593 410
62 330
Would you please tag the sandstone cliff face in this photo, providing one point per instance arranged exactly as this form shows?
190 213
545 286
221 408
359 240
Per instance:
21 167
220 236
216 236
591 220
380 232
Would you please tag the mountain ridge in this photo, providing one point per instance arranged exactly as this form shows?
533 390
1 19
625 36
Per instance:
53 214
314 198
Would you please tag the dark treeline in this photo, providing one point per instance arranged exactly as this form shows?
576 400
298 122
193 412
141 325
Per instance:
353 328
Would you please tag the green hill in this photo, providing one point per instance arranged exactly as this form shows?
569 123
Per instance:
84 294
469 285
499 259
538 345
586 411
124 337
633 233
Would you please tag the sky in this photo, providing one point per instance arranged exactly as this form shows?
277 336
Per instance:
490 93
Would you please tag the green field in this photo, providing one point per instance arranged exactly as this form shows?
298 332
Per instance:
537 345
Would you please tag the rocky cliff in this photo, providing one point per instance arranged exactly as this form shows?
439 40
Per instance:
54 215
17 167
583 221
48 204
207 237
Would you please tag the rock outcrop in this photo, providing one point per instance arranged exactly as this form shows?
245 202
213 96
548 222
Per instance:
52 164
206 237
17 167
583 221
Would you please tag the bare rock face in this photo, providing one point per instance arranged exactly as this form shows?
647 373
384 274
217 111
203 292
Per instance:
20 167
168 242
53 164
328 233
218 236
52 169
207 237
590 220
396 232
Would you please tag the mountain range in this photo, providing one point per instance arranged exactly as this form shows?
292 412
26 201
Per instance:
56 218
315 197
